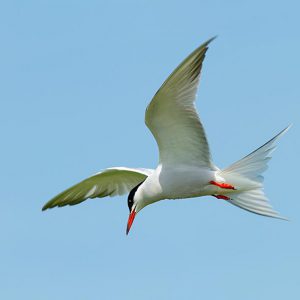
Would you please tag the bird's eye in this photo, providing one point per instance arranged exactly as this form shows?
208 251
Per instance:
131 196
130 203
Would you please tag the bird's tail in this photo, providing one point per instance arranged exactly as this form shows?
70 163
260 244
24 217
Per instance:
245 176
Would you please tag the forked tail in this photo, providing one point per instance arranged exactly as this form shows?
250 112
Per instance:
245 175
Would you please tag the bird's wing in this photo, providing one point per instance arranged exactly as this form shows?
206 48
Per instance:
172 117
110 182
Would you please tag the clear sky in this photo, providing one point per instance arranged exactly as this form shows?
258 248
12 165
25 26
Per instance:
76 77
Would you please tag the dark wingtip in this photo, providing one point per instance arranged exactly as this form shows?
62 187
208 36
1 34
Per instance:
210 40
45 207
48 205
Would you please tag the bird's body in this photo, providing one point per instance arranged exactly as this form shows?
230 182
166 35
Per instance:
176 182
185 168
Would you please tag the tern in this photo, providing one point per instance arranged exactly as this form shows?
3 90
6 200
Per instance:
185 167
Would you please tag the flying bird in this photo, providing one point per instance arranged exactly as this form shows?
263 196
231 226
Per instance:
185 167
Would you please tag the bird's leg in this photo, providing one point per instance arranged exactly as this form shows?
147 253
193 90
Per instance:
221 197
223 185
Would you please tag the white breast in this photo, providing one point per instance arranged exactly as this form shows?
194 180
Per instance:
176 182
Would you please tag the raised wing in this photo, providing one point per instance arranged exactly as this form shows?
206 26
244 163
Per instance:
172 117
110 182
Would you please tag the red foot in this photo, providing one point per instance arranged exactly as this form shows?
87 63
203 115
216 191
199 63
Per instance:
221 197
223 185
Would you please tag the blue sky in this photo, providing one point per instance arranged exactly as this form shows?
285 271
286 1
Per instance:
76 77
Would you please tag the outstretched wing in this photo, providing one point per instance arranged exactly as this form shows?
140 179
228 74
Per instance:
172 117
110 182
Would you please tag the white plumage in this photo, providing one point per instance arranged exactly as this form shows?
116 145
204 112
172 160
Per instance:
185 166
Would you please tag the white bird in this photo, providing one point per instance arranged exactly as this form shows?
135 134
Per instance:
185 167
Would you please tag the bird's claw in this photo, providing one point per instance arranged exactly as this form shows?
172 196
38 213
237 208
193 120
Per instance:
223 185
221 197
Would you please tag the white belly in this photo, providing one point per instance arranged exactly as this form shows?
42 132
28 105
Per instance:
178 182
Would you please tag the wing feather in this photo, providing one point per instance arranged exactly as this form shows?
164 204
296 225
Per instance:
172 117
110 182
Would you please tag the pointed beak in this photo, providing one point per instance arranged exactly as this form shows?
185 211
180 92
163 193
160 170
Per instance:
130 220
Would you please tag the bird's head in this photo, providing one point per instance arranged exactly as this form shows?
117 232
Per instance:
134 205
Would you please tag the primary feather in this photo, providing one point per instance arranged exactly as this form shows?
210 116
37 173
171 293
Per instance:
110 182
172 117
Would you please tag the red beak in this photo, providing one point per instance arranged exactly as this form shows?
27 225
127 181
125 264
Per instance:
130 221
